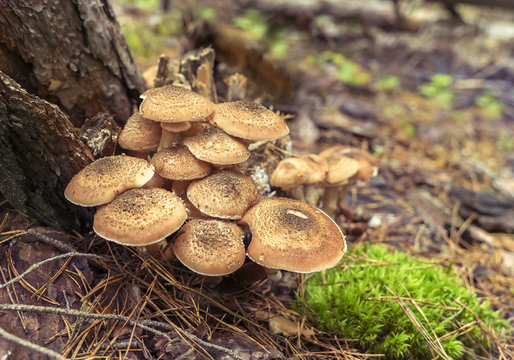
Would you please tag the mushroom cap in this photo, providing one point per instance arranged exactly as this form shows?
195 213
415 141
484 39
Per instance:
340 168
140 217
172 103
217 147
289 173
140 134
226 194
367 164
318 168
176 127
292 235
210 246
177 163
102 180
249 120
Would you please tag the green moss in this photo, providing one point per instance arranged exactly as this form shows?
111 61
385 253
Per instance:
352 301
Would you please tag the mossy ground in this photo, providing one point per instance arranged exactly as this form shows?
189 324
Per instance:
359 300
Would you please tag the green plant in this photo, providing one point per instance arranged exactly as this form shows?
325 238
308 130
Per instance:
359 300
346 70
388 83
253 23
490 104
439 89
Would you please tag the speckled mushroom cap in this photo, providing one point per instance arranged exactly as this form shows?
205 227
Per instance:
226 194
290 172
249 120
102 180
210 246
140 134
140 217
172 103
177 163
217 147
292 235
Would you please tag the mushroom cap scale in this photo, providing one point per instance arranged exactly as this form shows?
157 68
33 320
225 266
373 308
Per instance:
177 163
210 246
140 134
102 180
140 217
249 120
172 103
291 235
217 147
226 194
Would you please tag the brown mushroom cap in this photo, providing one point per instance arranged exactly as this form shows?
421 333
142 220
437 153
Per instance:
177 163
226 194
340 169
172 103
249 120
102 180
210 246
140 217
140 134
176 127
292 235
217 147
367 164
290 172
318 167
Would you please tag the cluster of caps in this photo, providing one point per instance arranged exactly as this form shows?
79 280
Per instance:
335 166
192 188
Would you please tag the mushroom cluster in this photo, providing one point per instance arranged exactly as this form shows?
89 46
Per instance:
330 171
192 187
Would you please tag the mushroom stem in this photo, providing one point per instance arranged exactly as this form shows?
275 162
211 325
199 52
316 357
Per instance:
168 139
297 193
330 197
180 186
312 194
160 250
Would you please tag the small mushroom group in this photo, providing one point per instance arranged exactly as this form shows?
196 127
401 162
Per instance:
332 169
191 187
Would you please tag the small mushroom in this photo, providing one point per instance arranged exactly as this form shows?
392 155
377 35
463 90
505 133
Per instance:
346 165
104 179
291 235
210 247
217 147
291 173
249 120
177 163
140 134
174 104
226 194
140 217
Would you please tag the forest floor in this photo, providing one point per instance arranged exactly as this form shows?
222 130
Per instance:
429 95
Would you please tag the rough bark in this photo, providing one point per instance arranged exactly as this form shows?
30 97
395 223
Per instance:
40 154
71 53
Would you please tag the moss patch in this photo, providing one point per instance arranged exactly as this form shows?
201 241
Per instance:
353 301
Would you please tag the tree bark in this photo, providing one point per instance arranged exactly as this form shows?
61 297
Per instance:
71 53
40 154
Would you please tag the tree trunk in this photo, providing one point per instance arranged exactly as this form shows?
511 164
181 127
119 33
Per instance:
71 53
40 154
